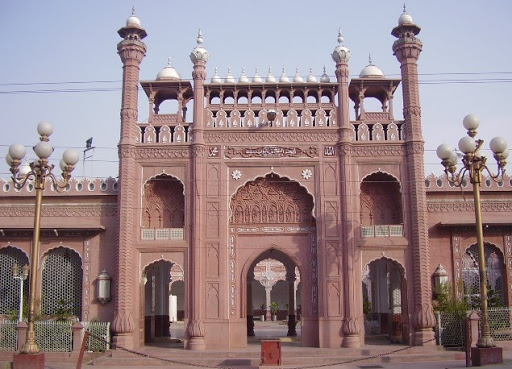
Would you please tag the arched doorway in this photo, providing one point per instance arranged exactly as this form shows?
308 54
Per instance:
272 297
273 235
163 299
385 301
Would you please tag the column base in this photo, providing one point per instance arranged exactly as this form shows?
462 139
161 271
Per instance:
352 341
196 344
28 361
486 355
424 337
124 340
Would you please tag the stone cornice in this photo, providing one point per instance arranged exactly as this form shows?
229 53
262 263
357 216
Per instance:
60 211
270 136
155 152
490 206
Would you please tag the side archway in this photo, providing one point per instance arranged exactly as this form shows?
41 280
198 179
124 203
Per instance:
384 300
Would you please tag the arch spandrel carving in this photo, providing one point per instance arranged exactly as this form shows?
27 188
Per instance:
271 200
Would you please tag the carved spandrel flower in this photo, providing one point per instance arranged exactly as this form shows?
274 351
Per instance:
307 174
236 174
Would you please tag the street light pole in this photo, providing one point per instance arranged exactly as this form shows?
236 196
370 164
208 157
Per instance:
39 172
22 275
473 165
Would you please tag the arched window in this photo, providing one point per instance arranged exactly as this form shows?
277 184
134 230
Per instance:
62 283
381 200
10 287
471 280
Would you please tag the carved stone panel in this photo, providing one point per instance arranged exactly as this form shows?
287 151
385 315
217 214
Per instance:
331 219
212 306
213 180
212 262
330 180
212 220
333 299
332 261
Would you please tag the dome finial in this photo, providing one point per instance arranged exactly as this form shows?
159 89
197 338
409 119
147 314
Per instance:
341 53
370 59
199 37
133 9
405 9
199 53
169 64
340 36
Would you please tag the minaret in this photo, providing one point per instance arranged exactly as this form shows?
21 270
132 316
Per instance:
196 287
407 50
351 321
131 50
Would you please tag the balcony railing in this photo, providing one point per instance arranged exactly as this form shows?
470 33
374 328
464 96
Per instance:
162 234
388 230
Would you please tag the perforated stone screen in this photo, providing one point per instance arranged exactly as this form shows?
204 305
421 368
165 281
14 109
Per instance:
62 282
470 274
10 287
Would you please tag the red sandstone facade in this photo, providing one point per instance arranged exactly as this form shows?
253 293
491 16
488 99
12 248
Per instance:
265 168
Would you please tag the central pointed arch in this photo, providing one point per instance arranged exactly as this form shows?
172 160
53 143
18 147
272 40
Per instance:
272 222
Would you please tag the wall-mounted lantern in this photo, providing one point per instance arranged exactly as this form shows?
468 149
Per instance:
440 278
103 283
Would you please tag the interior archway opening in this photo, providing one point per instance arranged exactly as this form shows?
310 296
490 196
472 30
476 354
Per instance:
384 302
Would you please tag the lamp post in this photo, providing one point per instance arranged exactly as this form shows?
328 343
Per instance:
38 172
473 165
22 275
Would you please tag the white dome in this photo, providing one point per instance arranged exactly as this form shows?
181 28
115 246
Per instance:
325 77
257 77
168 73
371 71
216 78
311 77
243 78
270 77
133 21
405 19
298 77
229 77
284 77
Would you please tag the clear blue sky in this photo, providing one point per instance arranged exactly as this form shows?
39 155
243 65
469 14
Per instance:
464 67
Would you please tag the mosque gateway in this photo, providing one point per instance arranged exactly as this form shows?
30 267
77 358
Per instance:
243 197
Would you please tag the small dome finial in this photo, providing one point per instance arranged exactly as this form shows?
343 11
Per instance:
370 59
341 53
405 9
340 36
133 9
169 64
200 37
199 53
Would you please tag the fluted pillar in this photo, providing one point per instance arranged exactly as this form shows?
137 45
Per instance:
407 49
351 325
250 315
292 322
131 51
196 287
